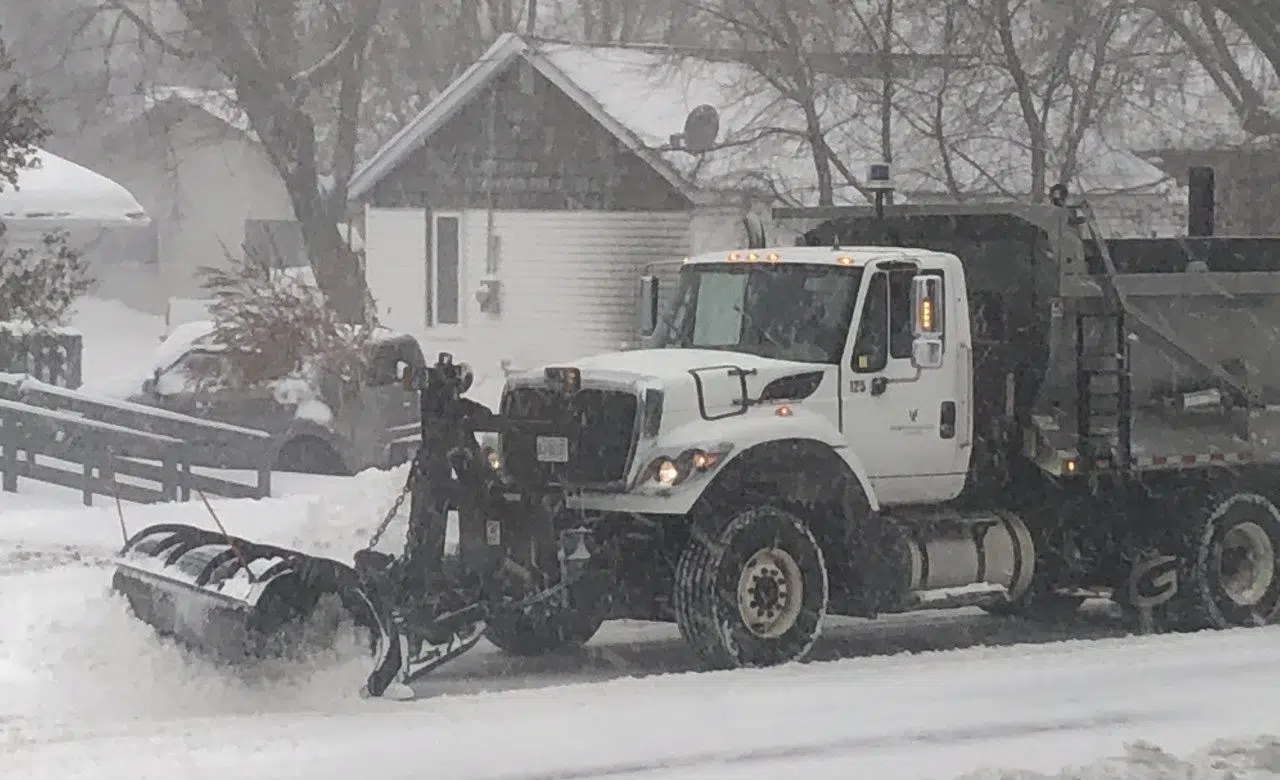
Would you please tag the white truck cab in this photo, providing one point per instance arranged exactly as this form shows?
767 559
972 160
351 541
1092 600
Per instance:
864 349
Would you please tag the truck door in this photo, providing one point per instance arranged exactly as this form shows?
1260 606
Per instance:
908 425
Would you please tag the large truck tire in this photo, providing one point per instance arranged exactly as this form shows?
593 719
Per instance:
752 591
527 636
1233 566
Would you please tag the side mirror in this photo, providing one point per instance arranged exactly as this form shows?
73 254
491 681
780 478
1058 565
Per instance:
649 303
928 324
926 352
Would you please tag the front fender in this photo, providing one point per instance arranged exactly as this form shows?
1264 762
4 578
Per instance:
757 427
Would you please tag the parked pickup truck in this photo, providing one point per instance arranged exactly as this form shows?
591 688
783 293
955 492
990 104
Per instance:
316 428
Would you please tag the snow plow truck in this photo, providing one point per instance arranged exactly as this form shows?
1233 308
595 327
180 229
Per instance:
920 407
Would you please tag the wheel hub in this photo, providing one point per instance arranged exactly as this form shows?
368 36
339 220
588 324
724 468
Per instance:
770 592
1246 564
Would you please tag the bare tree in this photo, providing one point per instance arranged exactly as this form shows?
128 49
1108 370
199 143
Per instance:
1067 66
1215 32
292 64
789 69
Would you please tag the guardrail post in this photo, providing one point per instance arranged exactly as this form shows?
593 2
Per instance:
184 474
168 476
9 441
86 482
264 472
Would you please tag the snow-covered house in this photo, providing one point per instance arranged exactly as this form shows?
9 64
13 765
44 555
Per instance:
102 219
192 160
511 218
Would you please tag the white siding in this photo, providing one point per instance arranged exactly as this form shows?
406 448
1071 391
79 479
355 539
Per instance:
396 267
717 229
569 280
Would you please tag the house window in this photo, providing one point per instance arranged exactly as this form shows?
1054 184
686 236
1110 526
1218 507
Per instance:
444 280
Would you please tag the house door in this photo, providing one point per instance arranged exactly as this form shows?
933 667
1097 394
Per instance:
444 273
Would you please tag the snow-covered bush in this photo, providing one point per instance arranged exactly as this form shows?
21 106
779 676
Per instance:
40 284
274 326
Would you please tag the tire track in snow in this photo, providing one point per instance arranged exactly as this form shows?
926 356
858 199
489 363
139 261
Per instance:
853 744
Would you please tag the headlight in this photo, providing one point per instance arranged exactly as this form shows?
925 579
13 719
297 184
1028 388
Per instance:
667 471
493 458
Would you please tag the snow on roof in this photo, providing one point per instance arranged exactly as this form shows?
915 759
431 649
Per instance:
58 189
218 103
750 146
643 94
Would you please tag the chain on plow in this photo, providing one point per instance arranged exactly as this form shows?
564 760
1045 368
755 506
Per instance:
238 599
231 597
396 506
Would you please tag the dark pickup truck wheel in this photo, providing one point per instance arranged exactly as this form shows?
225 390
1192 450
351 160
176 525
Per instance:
311 455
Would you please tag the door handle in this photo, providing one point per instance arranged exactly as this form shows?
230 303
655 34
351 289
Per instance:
878 385
947 420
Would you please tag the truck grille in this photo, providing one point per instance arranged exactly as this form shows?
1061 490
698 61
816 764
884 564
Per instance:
600 425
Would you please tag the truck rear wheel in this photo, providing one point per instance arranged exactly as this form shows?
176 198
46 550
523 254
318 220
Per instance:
751 592
1234 565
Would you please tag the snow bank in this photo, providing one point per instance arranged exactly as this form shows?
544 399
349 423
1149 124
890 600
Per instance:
332 521
118 345
1250 759
69 649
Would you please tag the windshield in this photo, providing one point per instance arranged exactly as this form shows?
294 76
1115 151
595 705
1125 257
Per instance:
785 311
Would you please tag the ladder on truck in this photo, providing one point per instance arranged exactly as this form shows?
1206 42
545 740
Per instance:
1104 398
1104 408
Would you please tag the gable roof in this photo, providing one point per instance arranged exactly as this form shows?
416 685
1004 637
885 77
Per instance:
642 94
506 50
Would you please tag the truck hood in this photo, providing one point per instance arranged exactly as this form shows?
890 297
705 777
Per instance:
674 369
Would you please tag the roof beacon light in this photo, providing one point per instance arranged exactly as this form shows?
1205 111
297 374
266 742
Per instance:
880 177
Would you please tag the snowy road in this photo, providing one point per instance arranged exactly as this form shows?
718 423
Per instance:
87 692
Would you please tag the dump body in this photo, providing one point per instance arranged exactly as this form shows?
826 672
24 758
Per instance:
1182 411
1197 384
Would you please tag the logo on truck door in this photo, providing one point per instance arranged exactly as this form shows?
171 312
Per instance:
913 414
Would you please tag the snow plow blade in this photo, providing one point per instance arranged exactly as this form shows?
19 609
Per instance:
236 600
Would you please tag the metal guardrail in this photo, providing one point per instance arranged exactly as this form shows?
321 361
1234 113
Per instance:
108 437
64 438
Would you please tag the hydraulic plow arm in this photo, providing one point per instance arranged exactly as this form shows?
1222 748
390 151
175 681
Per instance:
238 600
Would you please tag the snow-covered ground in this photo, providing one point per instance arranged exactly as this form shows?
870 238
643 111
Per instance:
86 691
89 692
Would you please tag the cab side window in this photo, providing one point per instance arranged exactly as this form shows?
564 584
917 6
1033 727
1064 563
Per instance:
871 349
900 330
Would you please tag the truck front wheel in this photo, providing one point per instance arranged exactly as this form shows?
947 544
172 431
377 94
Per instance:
753 591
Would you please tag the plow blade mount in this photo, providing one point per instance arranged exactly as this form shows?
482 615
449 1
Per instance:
236 600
